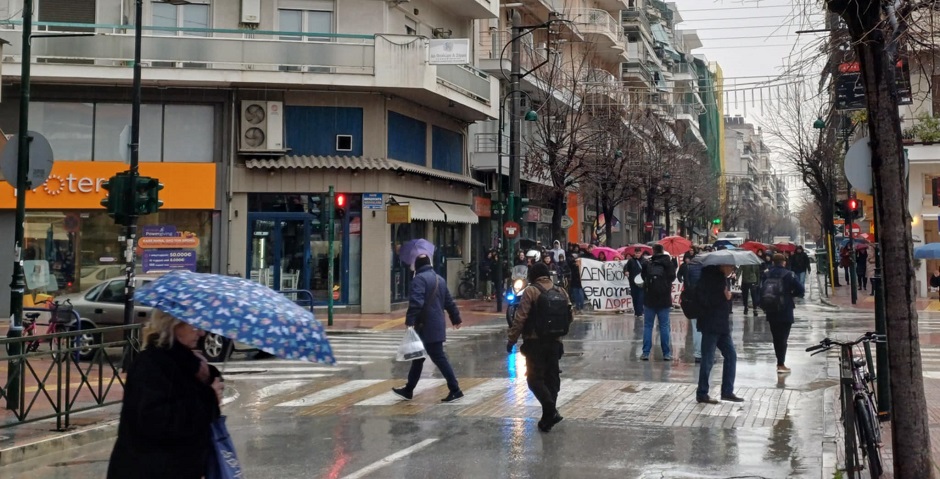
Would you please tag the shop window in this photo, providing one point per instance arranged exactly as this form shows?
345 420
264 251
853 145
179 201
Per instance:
67 126
449 241
407 139
447 150
189 134
113 124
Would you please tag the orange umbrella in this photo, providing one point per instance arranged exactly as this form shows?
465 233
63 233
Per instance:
676 245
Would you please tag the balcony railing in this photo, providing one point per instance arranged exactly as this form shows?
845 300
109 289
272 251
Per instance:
466 79
635 16
595 21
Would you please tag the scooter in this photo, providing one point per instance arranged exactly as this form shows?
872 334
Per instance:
518 283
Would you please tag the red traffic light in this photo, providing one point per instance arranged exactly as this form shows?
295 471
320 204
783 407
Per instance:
852 204
340 200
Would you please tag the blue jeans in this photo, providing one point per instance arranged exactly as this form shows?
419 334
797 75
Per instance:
696 340
801 277
650 316
724 344
436 353
636 292
577 294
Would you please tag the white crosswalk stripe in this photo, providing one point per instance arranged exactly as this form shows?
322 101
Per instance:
390 398
352 350
330 393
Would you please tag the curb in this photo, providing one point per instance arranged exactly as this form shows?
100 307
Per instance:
76 438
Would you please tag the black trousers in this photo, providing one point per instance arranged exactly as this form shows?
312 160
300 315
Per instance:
780 330
542 372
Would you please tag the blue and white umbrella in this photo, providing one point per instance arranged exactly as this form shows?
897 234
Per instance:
241 310
927 251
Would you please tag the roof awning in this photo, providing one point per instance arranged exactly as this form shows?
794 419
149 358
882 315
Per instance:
358 162
422 210
458 213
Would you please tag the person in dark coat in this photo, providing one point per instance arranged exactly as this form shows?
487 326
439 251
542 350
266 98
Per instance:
171 398
631 270
657 302
429 298
799 264
781 320
576 290
861 267
714 322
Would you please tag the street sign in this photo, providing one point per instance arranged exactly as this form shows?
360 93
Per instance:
511 229
857 166
372 201
566 222
649 226
40 160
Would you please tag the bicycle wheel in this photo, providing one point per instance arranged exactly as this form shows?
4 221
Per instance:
466 290
866 435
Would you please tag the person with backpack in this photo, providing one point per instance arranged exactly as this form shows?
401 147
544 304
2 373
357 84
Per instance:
714 300
658 275
542 319
750 286
779 287
689 273
631 270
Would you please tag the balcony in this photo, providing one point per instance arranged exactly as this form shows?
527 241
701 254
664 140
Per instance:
477 9
228 58
684 72
602 88
600 27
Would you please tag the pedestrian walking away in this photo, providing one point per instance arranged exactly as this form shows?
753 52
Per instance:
542 318
689 274
750 286
426 304
778 289
658 275
574 285
870 272
799 264
714 300
632 269
171 398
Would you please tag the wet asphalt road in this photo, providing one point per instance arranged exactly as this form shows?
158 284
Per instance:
625 418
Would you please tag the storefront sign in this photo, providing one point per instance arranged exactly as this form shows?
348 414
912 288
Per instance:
398 214
372 201
482 207
546 215
534 215
607 288
76 185
166 249
449 51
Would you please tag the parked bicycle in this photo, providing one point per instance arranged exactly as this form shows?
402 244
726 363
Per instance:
61 319
467 289
859 414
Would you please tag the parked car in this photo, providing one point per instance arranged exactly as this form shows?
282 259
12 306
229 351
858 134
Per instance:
93 275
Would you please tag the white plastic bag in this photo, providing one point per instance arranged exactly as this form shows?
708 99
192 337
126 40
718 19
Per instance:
411 347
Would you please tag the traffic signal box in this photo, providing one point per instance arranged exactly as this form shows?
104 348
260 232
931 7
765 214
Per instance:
144 197
850 209
340 206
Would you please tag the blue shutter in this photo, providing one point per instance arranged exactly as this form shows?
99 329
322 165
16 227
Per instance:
407 139
312 130
447 150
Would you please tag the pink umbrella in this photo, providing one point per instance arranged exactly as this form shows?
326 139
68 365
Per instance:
630 250
676 245
604 253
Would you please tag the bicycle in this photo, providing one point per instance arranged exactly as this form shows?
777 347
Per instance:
61 319
467 288
859 414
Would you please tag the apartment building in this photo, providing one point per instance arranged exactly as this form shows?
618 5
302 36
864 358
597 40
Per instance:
252 110
749 178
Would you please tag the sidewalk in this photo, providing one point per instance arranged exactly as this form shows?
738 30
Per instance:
21 442
842 297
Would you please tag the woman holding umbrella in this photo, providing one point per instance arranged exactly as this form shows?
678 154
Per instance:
171 398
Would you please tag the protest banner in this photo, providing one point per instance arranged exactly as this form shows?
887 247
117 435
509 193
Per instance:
607 288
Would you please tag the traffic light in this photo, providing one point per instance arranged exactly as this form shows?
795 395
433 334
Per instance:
854 208
523 207
716 221
841 210
116 201
147 195
340 210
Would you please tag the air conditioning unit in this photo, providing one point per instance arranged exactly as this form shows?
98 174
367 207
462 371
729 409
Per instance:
262 126
251 11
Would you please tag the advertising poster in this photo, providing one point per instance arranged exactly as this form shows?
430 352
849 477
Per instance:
166 249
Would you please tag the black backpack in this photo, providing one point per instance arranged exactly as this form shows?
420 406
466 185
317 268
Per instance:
655 280
773 293
551 315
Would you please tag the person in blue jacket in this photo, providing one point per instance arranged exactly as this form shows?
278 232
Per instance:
781 320
428 300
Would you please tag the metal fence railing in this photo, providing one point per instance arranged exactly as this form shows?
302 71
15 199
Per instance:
52 382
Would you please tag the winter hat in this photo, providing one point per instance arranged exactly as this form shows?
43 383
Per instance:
421 261
537 270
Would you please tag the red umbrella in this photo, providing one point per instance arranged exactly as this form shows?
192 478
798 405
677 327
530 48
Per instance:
630 250
785 247
866 237
754 246
676 245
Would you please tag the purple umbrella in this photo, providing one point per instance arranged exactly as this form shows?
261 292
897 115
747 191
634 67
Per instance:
414 248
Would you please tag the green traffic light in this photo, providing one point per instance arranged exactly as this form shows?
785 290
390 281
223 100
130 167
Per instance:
716 221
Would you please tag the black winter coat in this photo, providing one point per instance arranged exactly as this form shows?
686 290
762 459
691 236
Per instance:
165 418
715 309
660 299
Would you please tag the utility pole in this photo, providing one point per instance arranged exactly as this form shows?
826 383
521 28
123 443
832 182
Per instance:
18 285
514 131
330 213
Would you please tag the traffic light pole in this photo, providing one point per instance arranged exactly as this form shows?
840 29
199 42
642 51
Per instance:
515 135
853 274
130 198
330 213
18 285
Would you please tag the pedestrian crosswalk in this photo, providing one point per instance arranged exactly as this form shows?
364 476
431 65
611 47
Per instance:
352 349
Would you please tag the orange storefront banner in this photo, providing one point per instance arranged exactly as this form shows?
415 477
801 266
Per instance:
574 233
76 185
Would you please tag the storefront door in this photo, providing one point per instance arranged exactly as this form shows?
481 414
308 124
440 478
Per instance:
291 251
